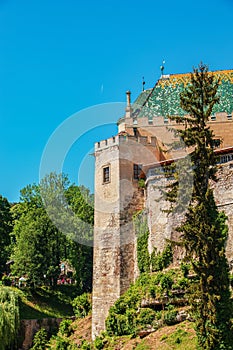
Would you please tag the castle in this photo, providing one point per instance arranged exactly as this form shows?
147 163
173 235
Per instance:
139 151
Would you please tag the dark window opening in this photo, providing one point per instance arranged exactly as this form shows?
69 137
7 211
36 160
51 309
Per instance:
137 170
216 143
106 174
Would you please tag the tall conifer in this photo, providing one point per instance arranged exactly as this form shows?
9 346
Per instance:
204 231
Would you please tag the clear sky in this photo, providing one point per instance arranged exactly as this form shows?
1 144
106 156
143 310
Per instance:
60 57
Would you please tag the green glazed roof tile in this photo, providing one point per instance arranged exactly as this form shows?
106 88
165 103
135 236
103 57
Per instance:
163 99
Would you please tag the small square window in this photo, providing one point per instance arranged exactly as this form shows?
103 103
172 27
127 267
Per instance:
216 143
229 117
213 117
106 174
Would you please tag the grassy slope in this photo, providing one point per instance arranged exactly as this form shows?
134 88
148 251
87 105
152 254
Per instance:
45 302
180 336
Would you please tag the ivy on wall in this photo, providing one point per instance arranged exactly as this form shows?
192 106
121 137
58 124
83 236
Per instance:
142 233
157 261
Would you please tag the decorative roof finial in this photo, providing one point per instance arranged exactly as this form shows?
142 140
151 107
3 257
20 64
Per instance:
162 67
143 83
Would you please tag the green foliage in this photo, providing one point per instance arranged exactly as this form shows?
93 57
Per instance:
45 212
82 305
40 340
5 229
142 232
6 281
185 267
142 346
180 339
146 317
155 261
127 317
85 345
141 183
98 343
166 283
204 231
65 328
9 318
170 315
44 302
161 260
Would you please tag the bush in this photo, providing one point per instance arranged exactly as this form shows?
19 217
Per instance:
170 316
65 328
82 305
141 183
185 268
117 324
6 281
61 343
161 260
85 345
40 340
146 317
99 343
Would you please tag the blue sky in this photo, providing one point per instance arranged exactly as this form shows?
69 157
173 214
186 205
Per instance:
60 57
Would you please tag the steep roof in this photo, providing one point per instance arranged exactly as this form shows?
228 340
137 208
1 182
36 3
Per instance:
164 100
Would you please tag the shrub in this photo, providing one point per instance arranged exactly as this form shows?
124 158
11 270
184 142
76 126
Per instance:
65 328
170 316
99 343
185 268
40 340
85 345
161 260
118 324
6 281
146 317
82 305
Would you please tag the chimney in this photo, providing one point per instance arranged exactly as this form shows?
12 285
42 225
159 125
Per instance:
128 109
128 94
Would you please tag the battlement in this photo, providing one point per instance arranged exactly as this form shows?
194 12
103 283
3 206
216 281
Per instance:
120 139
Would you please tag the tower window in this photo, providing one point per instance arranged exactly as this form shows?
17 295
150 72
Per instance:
106 174
137 169
216 143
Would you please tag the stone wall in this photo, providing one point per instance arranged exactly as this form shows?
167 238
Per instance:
162 226
28 329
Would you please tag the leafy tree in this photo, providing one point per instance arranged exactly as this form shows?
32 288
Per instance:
204 231
82 204
9 318
5 229
36 252
48 223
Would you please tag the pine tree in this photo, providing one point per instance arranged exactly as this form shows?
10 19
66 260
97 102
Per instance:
204 231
